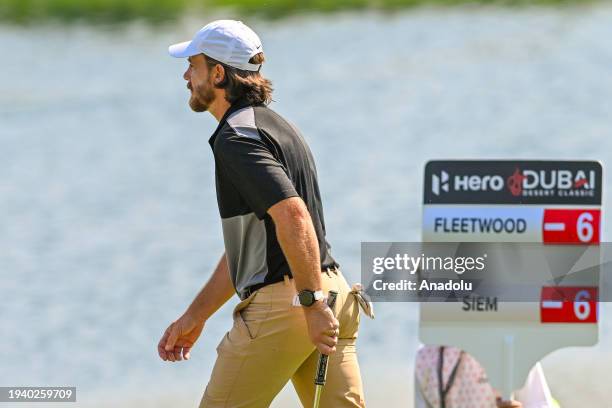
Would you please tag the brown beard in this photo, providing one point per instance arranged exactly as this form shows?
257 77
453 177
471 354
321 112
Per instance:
201 98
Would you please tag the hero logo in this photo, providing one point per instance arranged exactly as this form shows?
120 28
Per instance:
466 183
439 182
545 182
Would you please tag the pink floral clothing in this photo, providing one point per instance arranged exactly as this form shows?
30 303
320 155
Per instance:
470 387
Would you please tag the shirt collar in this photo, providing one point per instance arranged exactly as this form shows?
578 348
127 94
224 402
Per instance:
239 104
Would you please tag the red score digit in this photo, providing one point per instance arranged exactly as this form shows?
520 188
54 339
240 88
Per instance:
563 304
571 226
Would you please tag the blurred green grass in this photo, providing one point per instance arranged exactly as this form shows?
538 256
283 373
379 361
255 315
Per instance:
159 11
25 11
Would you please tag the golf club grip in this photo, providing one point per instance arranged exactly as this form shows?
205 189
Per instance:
323 359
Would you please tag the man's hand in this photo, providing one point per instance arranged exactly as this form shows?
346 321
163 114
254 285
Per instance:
508 404
179 338
322 327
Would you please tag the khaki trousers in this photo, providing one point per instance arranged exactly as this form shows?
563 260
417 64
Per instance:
268 345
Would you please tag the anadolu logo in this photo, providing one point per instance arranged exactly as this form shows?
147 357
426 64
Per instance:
546 182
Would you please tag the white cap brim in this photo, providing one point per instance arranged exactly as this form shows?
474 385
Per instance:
183 50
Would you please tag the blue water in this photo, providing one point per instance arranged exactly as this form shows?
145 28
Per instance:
110 224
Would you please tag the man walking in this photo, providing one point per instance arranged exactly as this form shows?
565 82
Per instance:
276 257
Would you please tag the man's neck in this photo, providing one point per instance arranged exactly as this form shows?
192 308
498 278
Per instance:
219 107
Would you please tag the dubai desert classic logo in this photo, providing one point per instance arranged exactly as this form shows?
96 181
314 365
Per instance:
526 183
546 182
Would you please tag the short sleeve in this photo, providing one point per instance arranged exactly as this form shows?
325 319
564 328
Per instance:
254 171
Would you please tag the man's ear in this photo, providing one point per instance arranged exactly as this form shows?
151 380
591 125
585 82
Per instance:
219 74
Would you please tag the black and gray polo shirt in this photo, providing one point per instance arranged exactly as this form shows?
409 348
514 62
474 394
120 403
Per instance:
261 159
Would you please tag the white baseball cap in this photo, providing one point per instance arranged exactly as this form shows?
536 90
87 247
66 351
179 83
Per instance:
228 41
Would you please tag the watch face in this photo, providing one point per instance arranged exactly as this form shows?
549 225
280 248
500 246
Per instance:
306 298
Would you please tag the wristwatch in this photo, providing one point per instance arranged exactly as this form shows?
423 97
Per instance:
308 297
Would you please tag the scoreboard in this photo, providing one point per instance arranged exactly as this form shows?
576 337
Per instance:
555 204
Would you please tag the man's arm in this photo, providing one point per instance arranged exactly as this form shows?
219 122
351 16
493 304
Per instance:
180 336
218 290
298 240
